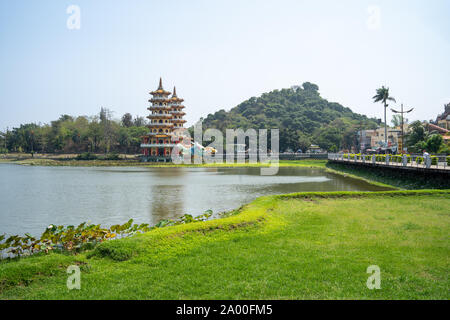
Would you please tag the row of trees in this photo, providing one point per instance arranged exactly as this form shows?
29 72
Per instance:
99 133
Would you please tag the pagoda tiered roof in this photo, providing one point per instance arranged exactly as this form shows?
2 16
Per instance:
175 97
178 113
159 116
160 90
157 107
179 120
156 100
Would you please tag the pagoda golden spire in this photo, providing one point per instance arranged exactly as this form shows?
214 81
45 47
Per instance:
160 90
175 97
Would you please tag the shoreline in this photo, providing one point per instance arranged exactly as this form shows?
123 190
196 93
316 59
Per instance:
369 181
307 163
46 162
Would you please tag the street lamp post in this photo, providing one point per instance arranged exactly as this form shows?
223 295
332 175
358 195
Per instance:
402 124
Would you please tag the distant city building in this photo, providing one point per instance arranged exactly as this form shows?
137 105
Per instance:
443 120
374 139
314 149
166 125
432 127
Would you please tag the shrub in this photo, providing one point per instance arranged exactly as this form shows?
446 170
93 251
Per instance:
112 250
86 156
434 160
111 156
397 158
448 160
419 160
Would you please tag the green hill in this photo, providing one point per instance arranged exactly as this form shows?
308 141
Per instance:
302 116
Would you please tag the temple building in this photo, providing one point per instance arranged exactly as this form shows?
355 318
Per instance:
165 127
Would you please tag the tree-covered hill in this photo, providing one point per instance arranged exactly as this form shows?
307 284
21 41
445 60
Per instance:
300 113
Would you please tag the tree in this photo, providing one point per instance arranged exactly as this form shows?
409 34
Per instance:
304 142
434 142
139 122
65 117
105 120
416 133
127 120
124 139
308 86
3 142
95 134
329 138
383 96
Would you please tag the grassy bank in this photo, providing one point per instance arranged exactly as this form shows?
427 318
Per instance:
392 177
136 163
358 176
298 246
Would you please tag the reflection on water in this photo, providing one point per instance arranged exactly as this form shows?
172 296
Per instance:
31 198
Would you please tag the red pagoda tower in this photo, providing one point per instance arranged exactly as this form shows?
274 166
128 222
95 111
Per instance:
166 125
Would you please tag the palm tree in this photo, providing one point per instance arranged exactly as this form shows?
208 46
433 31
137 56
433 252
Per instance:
383 96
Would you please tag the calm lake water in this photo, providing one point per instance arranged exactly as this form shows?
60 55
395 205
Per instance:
31 197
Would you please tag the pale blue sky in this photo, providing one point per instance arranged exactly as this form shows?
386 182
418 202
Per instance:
218 53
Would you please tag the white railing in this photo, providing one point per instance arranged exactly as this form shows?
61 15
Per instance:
156 107
157 145
159 115
160 124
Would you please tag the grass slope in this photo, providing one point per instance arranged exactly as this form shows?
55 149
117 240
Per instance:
298 246
395 178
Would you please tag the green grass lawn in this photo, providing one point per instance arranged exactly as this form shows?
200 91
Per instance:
301 246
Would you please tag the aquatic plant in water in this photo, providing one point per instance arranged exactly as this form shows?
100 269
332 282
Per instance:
73 239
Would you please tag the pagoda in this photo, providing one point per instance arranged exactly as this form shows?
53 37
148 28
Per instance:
165 127
177 115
